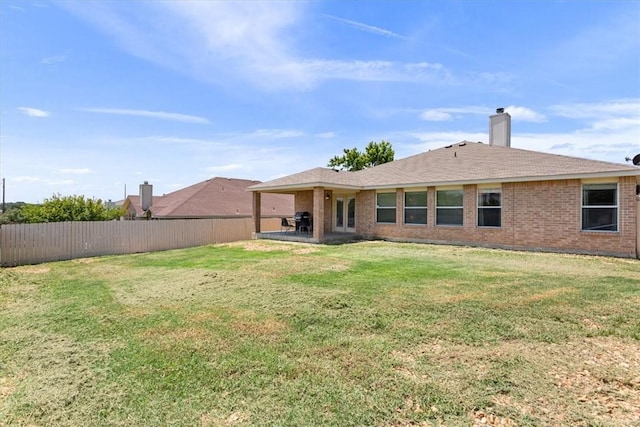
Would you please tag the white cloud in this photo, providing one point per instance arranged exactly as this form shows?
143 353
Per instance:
603 143
325 135
367 28
435 116
209 40
40 180
50 60
62 182
449 113
615 124
587 144
277 133
77 171
225 168
34 112
610 131
250 41
616 108
425 141
160 115
26 178
314 71
525 114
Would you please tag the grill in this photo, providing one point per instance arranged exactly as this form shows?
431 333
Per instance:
303 221
300 215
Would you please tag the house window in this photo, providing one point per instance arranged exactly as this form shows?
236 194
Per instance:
600 207
386 207
449 207
489 207
415 207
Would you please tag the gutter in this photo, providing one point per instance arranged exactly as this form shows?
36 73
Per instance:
530 178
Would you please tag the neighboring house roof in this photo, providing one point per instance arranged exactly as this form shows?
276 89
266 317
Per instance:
216 197
134 201
462 163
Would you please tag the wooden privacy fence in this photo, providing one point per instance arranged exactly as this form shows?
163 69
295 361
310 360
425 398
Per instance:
22 244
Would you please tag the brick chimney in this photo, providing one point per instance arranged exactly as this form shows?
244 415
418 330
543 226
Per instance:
500 128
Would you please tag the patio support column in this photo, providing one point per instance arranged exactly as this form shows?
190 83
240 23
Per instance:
257 210
318 213
638 226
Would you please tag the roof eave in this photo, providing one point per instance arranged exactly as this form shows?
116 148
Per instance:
304 186
591 175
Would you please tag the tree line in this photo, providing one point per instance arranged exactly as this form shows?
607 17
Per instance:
60 208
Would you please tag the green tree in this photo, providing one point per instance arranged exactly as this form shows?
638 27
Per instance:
69 208
13 214
376 153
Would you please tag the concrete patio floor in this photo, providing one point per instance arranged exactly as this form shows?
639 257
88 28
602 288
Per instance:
292 236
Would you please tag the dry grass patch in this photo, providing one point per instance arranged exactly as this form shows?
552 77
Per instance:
261 328
19 289
596 379
233 419
55 373
7 387
84 260
261 246
268 246
30 269
151 287
171 335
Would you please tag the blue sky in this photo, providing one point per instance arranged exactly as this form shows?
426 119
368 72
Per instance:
96 96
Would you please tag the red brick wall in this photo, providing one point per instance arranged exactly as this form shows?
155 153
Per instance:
542 215
328 206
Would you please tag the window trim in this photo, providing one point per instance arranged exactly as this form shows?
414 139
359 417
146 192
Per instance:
461 207
425 207
483 190
394 207
616 206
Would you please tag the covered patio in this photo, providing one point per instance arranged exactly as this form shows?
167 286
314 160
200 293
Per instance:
327 196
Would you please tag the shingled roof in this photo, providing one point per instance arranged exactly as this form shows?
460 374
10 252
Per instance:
216 197
462 163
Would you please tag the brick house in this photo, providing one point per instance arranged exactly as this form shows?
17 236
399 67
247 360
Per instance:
475 194
214 198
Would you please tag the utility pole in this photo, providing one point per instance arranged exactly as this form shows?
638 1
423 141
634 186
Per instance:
3 201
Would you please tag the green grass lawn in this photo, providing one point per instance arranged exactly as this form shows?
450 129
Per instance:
366 334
